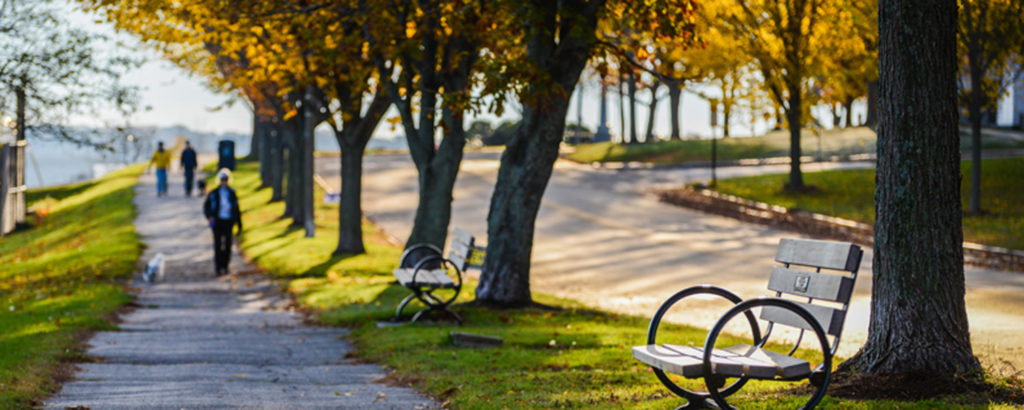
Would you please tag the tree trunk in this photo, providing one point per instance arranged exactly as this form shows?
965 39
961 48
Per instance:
263 152
19 155
256 144
529 158
623 138
675 98
796 177
974 107
649 134
918 319
872 103
779 120
350 211
277 161
633 138
293 189
309 123
848 109
436 183
726 113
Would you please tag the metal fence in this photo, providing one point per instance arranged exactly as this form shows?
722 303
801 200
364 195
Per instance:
12 186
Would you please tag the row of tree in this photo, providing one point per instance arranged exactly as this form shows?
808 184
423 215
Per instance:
303 63
344 63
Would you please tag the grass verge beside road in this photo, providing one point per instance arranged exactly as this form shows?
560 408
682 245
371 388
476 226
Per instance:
568 356
850 194
61 278
840 142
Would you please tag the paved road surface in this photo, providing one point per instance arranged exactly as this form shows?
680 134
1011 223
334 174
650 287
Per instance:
604 240
198 341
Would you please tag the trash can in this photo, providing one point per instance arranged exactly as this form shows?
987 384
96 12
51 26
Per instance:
226 154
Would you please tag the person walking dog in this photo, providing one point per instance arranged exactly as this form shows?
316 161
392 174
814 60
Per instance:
189 165
222 211
161 160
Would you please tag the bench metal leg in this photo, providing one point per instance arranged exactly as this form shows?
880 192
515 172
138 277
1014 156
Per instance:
401 306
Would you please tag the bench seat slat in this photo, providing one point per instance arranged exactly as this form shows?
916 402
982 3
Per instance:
461 236
835 288
735 361
822 254
458 260
831 320
424 278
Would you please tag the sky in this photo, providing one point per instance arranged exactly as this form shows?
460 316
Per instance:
175 98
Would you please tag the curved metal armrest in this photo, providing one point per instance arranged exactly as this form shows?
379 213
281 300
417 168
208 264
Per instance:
652 331
825 368
408 252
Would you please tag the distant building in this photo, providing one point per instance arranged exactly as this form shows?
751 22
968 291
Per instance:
1010 111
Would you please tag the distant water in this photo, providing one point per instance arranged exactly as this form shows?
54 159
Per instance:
52 162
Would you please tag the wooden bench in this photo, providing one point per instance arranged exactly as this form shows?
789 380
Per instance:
425 272
799 276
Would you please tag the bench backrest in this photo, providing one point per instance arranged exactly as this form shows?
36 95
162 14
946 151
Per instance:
801 275
464 252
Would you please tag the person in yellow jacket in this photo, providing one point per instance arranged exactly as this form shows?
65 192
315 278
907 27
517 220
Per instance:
161 160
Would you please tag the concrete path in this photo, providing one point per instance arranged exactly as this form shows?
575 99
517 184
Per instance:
198 341
602 238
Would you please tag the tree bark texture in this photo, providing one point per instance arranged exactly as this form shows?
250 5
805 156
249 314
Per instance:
796 177
309 123
623 137
633 138
652 108
277 162
352 140
261 132
918 318
848 109
256 144
559 48
675 99
872 105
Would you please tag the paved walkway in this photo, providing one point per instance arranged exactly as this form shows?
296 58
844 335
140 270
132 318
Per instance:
603 239
198 341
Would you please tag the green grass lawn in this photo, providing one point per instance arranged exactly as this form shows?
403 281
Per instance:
570 356
850 194
841 142
61 278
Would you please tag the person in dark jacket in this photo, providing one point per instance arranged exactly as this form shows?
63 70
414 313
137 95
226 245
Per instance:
222 211
189 165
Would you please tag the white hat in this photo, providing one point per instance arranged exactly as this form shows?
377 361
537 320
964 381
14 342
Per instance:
224 173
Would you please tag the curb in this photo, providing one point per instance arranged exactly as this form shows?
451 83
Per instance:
820 226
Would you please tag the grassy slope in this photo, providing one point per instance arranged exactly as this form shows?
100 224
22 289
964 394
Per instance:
573 357
850 194
842 142
62 277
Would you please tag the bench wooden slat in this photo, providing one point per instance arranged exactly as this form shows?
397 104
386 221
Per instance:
423 278
823 254
460 249
785 366
830 319
461 236
458 260
811 284
735 361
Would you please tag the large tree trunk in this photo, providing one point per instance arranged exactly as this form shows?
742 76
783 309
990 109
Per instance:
529 158
675 99
350 211
726 113
872 104
649 134
977 99
293 189
436 183
793 114
918 319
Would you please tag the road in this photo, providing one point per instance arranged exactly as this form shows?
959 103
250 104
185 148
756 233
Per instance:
604 239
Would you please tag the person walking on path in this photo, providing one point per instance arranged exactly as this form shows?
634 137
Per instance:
189 165
221 209
161 160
